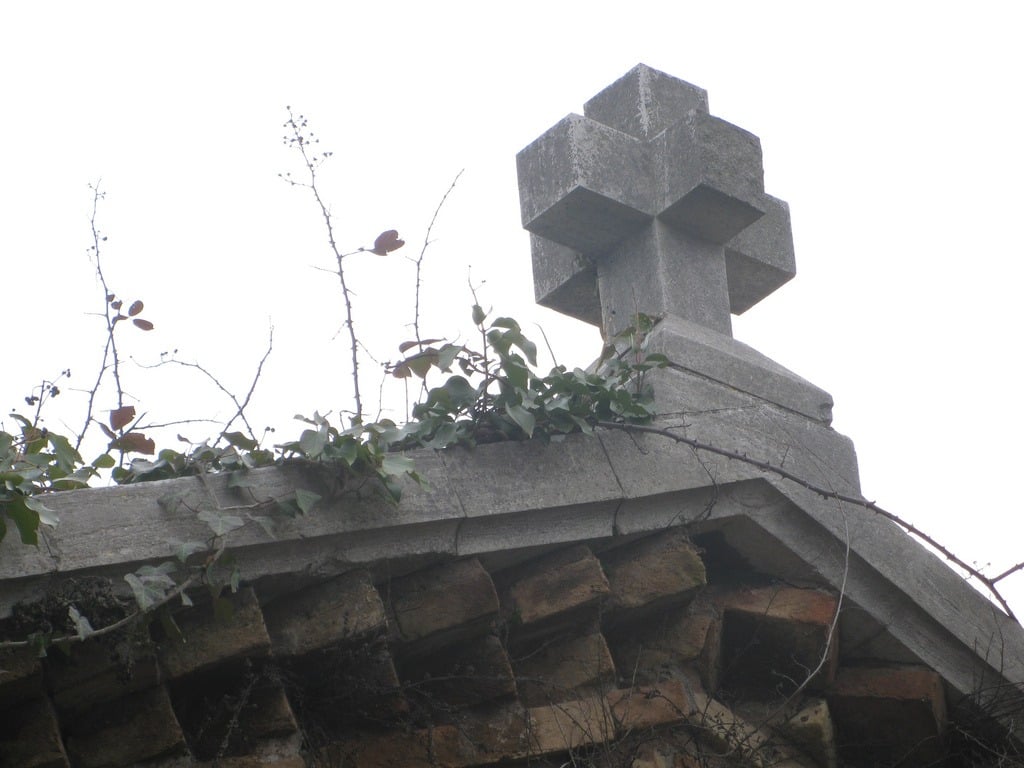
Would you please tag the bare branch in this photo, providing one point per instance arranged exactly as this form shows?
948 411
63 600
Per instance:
826 493
110 348
300 141
423 252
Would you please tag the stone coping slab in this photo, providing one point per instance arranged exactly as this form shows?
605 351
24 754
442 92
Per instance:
496 500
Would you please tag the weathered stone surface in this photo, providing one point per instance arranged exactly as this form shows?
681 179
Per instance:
743 370
563 669
644 102
560 525
731 734
21 676
558 590
122 527
886 711
810 728
100 670
462 676
440 746
139 727
207 640
565 280
30 736
668 646
760 258
334 611
256 761
774 637
446 603
232 714
569 725
648 706
648 187
653 572
342 689
544 476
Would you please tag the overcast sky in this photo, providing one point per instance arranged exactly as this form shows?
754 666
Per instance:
892 129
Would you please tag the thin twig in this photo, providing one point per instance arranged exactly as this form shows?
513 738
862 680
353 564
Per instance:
990 584
240 406
423 252
173 594
110 348
300 142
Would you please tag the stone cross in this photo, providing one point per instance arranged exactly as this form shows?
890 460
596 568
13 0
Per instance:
648 203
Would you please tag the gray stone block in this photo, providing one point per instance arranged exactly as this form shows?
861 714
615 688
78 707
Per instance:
565 280
760 259
644 102
585 185
667 273
696 349
640 196
713 179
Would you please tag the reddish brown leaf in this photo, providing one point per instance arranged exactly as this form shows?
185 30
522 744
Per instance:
110 297
107 431
386 242
116 304
143 324
122 417
135 442
135 308
407 345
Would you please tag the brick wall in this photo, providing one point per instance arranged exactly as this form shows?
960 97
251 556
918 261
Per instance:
621 655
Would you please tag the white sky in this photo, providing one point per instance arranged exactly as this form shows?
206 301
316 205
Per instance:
892 129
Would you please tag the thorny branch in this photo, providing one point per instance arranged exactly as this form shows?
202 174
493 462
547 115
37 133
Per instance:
239 406
110 349
989 583
300 141
423 252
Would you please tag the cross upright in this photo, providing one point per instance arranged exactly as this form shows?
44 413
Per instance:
648 203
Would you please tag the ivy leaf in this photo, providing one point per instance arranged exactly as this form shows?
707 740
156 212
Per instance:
220 523
24 519
46 515
306 500
150 584
241 440
104 461
143 324
395 464
239 479
81 624
405 346
312 442
185 549
478 315
522 417
135 308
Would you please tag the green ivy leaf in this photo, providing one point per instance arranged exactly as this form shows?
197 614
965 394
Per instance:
312 442
306 500
26 521
241 440
221 524
522 417
46 515
395 464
